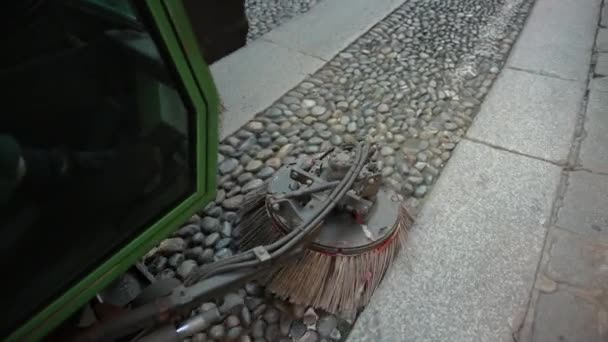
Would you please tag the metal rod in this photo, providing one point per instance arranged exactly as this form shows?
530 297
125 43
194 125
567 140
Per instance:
310 190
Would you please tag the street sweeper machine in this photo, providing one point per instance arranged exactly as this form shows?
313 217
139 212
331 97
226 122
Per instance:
109 144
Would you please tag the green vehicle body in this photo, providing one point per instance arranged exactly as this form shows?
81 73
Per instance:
170 20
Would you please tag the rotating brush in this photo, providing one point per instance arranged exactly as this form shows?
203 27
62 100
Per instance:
351 249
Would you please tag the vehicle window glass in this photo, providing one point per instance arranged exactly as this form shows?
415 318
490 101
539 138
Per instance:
96 143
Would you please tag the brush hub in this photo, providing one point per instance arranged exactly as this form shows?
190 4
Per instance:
364 219
342 233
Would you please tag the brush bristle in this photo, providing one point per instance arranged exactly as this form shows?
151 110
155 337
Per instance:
255 226
256 230
339 283
253 199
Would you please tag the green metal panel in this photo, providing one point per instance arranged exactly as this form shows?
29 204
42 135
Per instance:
172 23
204 81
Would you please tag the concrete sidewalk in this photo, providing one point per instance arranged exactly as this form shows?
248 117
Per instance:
511 244
570 299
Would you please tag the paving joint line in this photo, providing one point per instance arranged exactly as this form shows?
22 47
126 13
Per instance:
543 74
504 149
294 50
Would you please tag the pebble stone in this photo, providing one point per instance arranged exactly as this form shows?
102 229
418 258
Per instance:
232 321
274 163
223 254
233 303
172 245
234 333
255 127
326 325
185 268
310 317
253 289
253 302
383 108
233 202
206 256
298 311
188 230
258 311
297 330
212 239
309 336
272 315
252 184
200 337
217 332
175 260
210 224
285 324
216 211
272 332
226 229
335 335
245 316
223 243
265 172
254 165
166 273
258 328
318 110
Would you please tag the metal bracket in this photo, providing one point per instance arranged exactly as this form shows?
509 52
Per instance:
261 253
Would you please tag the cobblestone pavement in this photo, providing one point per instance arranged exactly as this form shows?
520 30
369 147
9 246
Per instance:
570 299
265 15
413 84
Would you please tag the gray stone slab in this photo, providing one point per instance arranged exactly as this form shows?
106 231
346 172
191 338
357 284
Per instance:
601 65
562 316
601 42
584 206
576 260
471 258
594 149
604 20
558 38
331 26
531 114
599 84
252 78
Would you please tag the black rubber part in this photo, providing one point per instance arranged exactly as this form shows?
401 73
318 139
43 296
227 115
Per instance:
220 26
